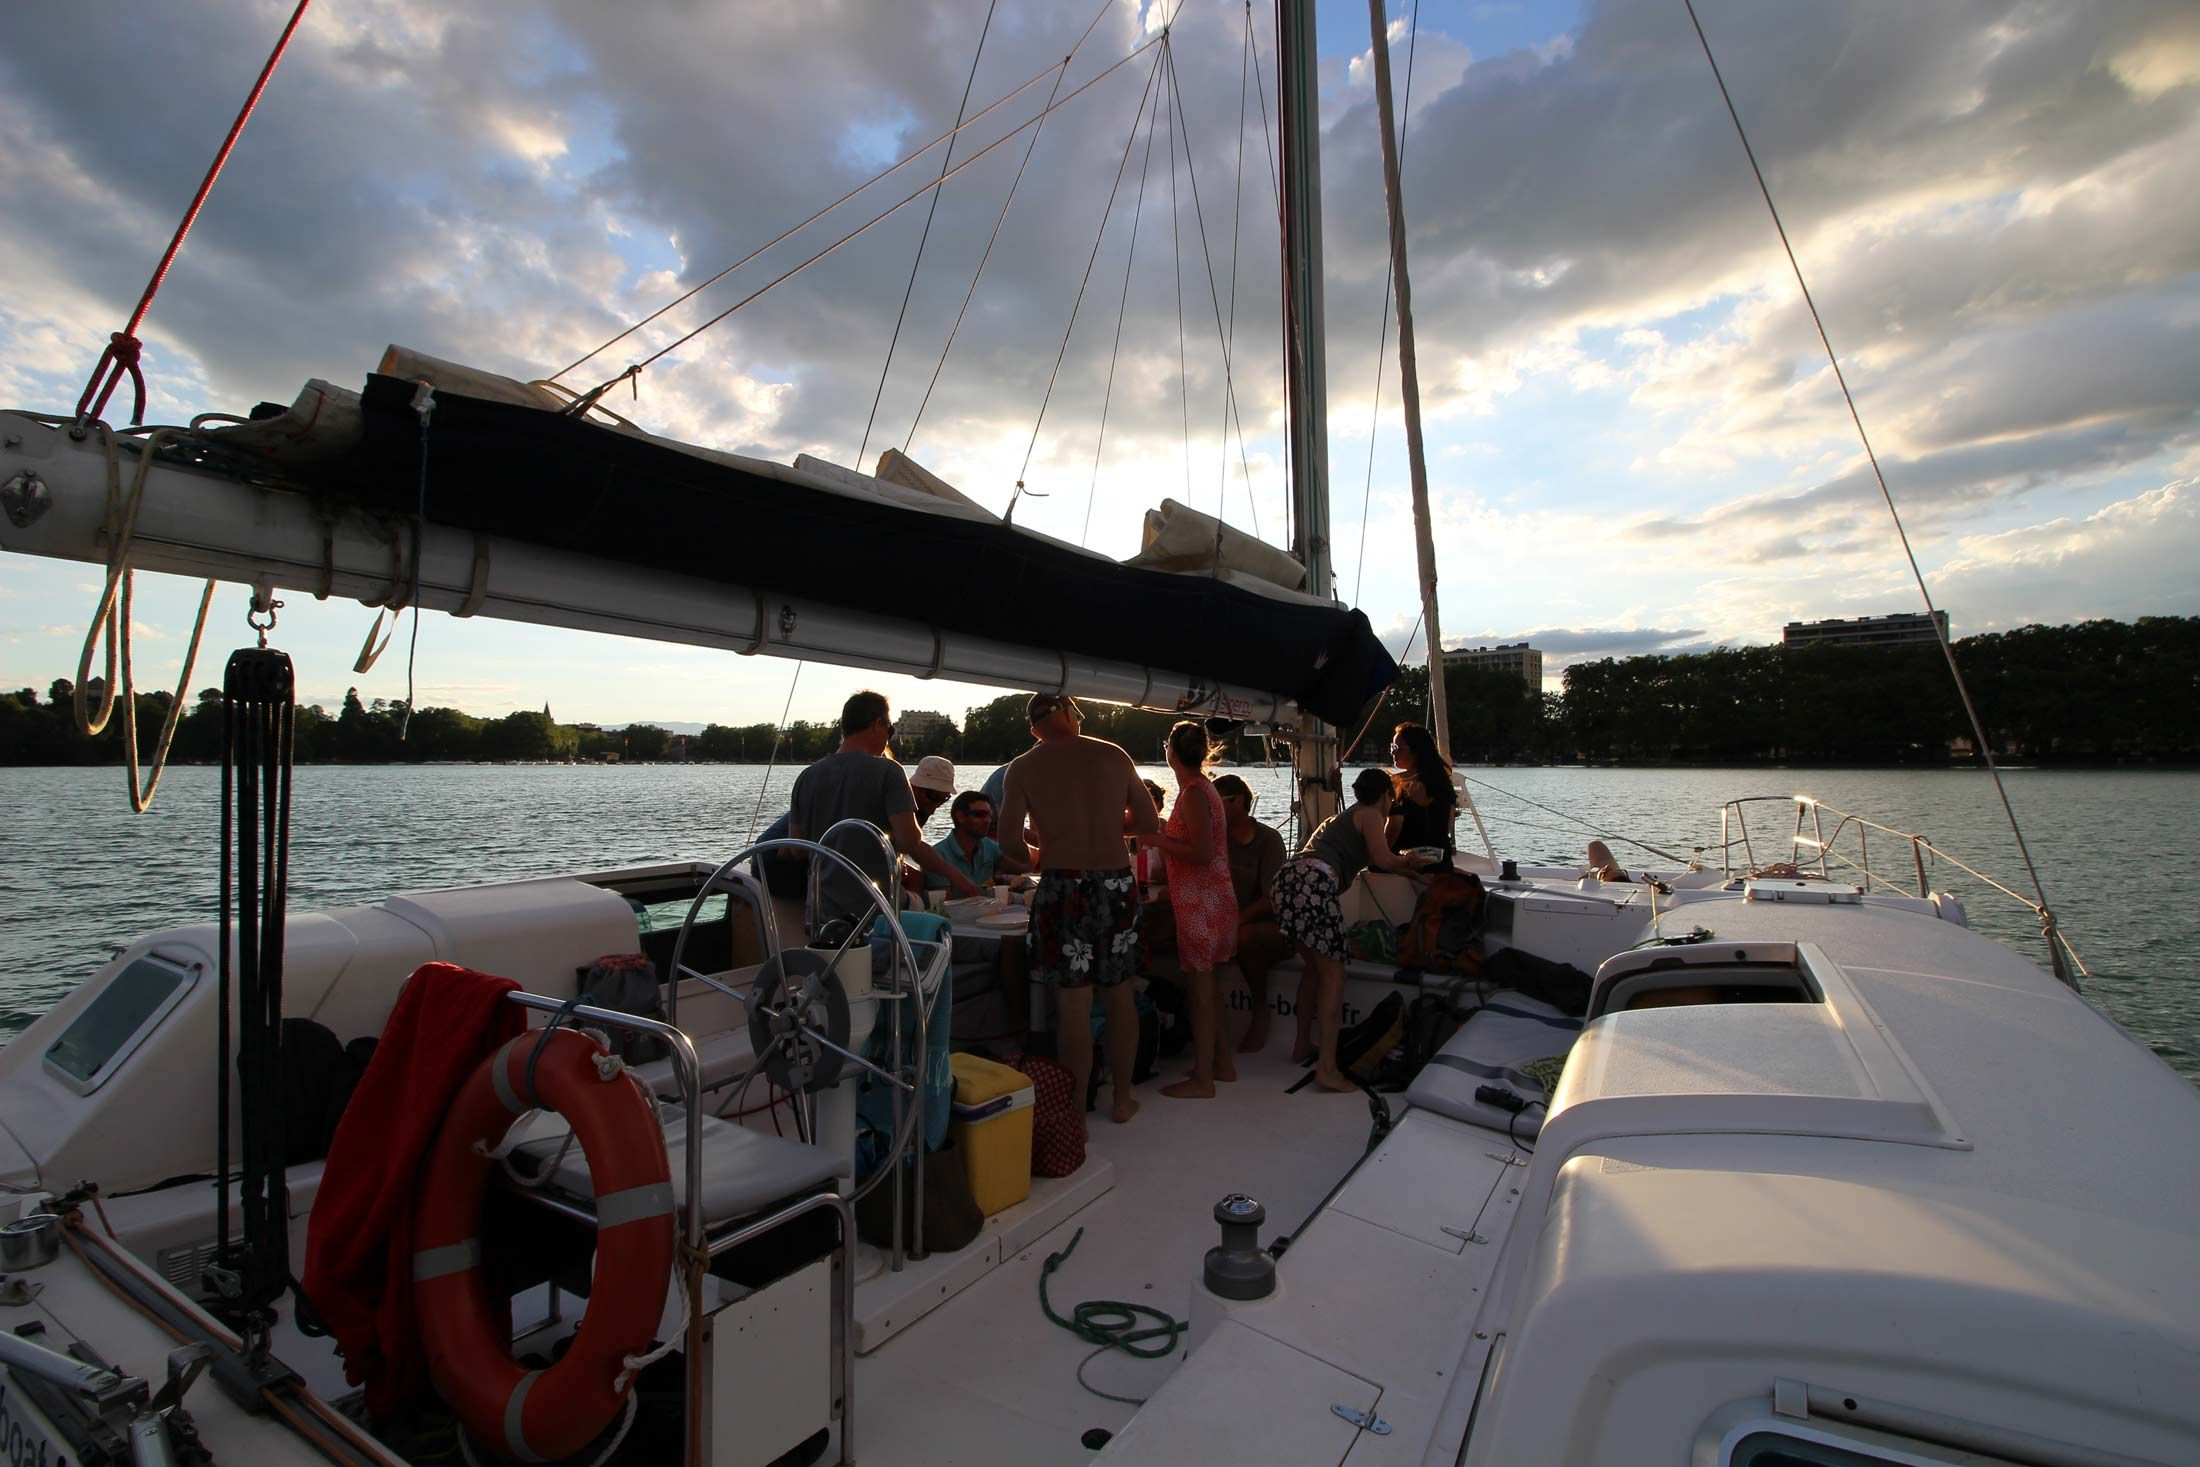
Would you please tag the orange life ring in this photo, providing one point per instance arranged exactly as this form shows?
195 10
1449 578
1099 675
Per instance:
543 1415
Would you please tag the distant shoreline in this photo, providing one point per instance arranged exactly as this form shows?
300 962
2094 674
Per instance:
2166 764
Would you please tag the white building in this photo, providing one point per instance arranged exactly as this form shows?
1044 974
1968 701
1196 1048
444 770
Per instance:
1900 629
921 725
1513 657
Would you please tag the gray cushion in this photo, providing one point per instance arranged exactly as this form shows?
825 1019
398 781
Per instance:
723 1058
1508 1031
744 1171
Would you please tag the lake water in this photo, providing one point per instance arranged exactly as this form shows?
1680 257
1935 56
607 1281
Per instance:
2116 849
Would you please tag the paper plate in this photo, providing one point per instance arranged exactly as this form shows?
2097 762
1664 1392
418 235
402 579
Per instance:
1015 918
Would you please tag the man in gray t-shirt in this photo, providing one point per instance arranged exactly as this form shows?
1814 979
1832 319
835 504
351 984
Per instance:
858 782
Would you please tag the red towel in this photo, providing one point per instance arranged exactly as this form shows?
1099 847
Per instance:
359 1243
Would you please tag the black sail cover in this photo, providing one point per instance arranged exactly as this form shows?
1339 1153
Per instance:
562 482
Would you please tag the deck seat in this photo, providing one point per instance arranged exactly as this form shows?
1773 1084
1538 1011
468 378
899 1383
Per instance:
1508 1031
744 1171
722 1058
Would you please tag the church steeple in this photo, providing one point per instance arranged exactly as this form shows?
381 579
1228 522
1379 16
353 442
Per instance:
546 718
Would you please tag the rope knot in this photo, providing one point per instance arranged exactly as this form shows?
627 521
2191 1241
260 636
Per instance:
119 360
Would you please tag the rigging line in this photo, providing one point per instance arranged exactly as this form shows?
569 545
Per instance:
1229 385
999 219
120 359
1580 823
880 177
778 734
1176 256
1344 751
1382 338
865 228
1283 276
1940 633
886 367
1229 336
1106 213
1107 397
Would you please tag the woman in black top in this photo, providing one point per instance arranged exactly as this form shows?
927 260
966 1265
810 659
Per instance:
1426 804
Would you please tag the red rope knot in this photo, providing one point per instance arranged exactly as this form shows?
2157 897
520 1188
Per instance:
120 359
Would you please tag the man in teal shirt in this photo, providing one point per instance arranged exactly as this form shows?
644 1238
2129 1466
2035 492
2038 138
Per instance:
968 848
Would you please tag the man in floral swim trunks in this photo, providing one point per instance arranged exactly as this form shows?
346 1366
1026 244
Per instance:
1082 796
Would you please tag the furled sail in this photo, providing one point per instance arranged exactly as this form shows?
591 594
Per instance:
905 546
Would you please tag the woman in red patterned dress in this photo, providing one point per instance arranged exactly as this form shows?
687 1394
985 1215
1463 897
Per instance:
1205 905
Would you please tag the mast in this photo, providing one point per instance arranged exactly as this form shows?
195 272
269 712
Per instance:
1305 377
1314 752
1409 384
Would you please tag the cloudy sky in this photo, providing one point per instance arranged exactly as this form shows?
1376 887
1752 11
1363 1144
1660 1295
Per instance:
1635 441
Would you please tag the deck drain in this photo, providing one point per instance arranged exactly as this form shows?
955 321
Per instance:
1096 1438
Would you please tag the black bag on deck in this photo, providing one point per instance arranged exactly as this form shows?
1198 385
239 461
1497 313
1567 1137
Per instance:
626 983
1360 1049
951 1217
1561 985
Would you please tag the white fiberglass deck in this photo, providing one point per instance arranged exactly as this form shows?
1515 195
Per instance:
984 1378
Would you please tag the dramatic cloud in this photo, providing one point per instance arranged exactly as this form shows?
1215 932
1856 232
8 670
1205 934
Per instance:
1633 426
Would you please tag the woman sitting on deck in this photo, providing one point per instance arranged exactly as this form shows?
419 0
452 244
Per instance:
1308 898
1426 805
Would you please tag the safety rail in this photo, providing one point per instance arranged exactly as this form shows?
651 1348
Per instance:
1734 831
697 1247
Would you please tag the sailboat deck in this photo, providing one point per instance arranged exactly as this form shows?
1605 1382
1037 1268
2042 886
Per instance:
985 1377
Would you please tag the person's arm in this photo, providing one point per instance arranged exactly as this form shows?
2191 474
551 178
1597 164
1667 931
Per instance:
1144 821
1014 847
1380 857
1006 862
1271 861
909 840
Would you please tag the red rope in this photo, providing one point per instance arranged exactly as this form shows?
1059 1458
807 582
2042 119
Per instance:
120 359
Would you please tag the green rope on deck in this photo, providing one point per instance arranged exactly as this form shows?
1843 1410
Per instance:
1111 1324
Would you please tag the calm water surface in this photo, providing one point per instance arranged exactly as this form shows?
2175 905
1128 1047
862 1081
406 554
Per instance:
2116 849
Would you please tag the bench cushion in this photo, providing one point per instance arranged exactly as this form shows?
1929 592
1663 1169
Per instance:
744 1171
1508 1031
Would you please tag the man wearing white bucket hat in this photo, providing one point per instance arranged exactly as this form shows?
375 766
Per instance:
933 785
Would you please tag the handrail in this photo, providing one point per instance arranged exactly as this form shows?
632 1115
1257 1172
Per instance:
697 1247
1808 806
694 1250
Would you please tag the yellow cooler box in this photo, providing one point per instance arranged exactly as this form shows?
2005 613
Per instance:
992 1130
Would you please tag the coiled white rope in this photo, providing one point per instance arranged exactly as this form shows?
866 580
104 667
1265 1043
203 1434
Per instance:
113 619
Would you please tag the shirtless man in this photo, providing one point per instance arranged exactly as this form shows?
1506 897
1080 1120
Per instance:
1082 796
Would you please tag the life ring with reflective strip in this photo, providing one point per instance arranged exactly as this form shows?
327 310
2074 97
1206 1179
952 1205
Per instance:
543 1415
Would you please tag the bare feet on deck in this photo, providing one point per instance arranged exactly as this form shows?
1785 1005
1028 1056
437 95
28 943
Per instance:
1301 1053
1226 1072
1124 1110
1190 1089
1255 1040
1332 1080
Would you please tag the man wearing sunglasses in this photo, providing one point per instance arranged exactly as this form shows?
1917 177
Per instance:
1081 796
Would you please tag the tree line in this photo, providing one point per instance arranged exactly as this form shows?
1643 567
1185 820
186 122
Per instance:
2094 691
2090 692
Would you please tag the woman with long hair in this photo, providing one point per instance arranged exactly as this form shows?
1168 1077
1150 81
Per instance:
1204 903
1308 897
1426 805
